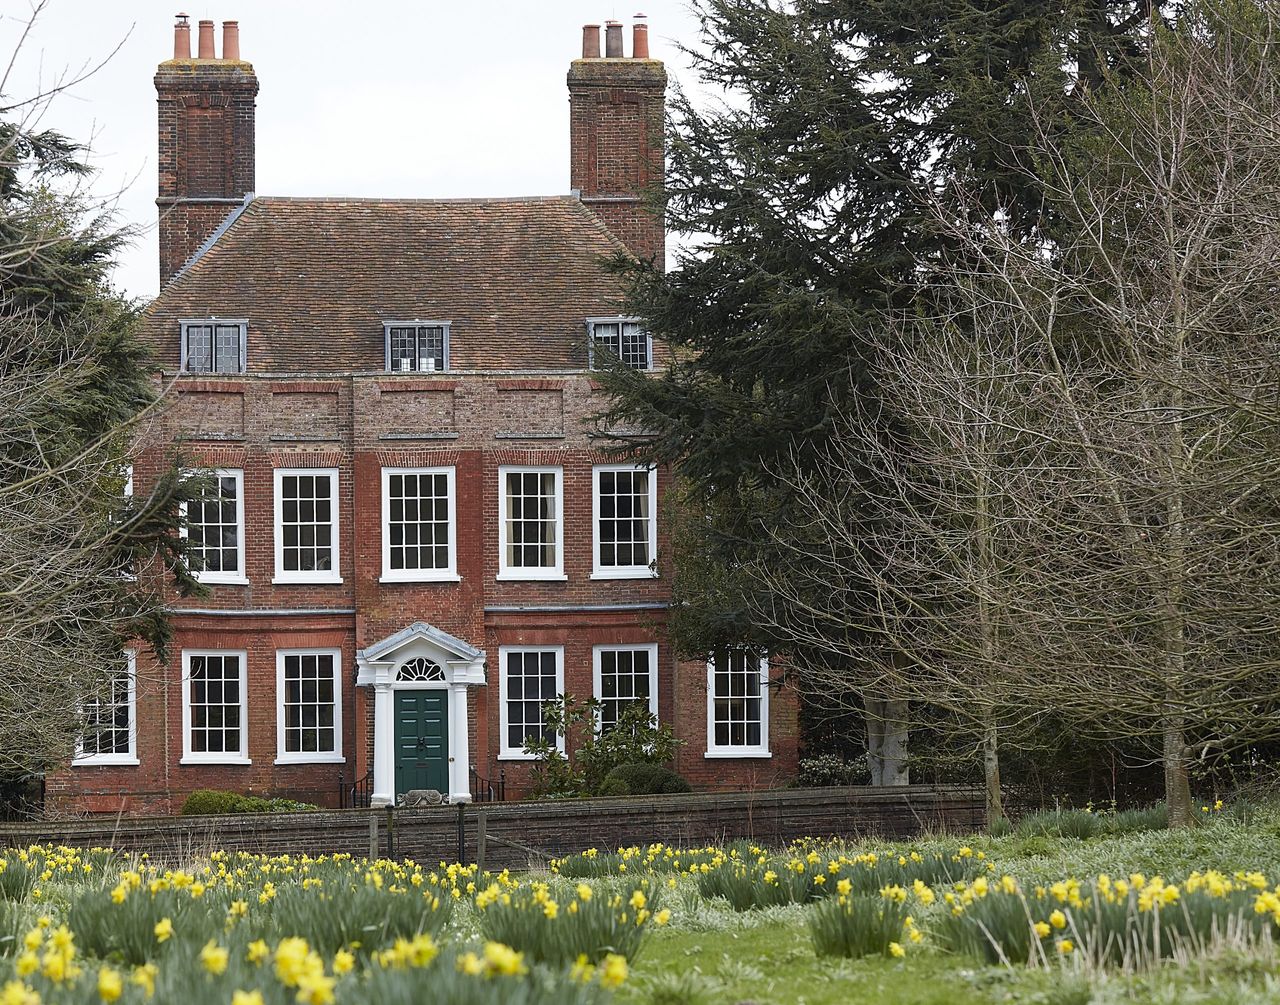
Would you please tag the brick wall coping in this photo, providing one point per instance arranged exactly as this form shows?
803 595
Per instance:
428 834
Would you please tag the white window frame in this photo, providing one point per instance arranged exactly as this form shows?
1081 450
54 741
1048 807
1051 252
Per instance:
597 661
519 573
333 575
81 759
447 575
619 320
762 749
386 338
186 323
128 573
599 571
221 757
218 577
506 753
334 756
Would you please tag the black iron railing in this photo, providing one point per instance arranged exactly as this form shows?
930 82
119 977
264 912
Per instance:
487 790
357 794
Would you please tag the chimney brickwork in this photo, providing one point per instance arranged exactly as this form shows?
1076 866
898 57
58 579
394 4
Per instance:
206 141
616 112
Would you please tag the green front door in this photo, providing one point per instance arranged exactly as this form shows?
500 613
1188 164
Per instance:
422 741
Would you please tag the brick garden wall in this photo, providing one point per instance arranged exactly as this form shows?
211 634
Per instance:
430 834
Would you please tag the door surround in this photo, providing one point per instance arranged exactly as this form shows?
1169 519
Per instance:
420 656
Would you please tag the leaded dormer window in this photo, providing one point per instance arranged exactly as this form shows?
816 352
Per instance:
417 346
623 339
214 345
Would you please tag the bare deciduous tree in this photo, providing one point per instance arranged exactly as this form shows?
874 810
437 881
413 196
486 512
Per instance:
1084 513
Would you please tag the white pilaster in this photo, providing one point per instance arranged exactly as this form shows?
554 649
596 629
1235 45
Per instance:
384 740
459 746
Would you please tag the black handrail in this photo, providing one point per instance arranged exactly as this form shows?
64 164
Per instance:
357 794
487 790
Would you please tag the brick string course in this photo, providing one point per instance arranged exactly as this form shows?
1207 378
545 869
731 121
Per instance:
430 834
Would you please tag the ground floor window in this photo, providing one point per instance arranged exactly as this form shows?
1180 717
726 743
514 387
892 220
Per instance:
530 680
737 704
625 675
214 706
309 712
110 732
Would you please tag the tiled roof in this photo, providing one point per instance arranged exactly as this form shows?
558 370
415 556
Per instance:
316 278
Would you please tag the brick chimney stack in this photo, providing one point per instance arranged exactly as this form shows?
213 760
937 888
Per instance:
616 119
206 139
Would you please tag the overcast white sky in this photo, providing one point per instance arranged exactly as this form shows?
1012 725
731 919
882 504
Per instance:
383 98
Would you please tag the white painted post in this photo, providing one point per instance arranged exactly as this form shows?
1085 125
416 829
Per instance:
459 744
384 741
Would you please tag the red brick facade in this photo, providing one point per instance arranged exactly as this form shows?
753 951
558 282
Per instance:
316 393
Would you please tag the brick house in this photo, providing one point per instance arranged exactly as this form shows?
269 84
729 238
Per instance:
415 540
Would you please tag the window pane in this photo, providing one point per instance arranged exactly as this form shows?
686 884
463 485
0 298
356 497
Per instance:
530 685
309 710
418 521
227 348
214 698
530 517
306 522
624 680
199 348
212 531
622 528
737 700
108 717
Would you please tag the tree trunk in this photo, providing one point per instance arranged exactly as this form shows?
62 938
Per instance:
1177 780
887 741
991 775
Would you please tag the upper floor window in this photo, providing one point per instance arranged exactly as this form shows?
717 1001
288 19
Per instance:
214 528
621 339
421 346
307 525
418 529
625 521
738 704
530 518
110 729
214 346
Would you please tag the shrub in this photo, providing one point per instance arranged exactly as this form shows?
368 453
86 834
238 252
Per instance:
831 769
642 780
635 739
203 802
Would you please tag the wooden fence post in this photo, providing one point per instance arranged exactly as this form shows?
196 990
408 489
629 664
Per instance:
373 836
482 838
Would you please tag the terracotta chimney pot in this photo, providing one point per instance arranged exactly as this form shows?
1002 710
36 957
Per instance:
231 40
590 41
182 38
613 40
206 41
640 39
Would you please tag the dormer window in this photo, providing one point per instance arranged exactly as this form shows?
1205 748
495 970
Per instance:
417 346
619 339
213 345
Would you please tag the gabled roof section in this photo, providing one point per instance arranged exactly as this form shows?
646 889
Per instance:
420 632
318 277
